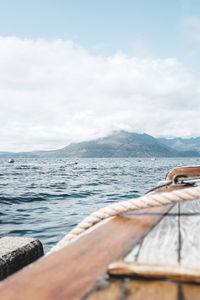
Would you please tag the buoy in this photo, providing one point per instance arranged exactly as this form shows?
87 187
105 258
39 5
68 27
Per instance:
11 160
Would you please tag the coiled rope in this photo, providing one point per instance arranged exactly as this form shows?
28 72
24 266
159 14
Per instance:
146 201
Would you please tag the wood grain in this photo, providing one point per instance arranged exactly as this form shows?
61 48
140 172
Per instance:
161 244
190 207
151 290
190 292
71 272
164 236
189 171
175 239
155 271
133 254
111 291
190 241
128 289
189 232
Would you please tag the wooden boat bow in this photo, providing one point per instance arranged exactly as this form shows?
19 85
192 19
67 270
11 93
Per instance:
188 171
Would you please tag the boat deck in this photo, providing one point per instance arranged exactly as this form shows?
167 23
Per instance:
162 235
175 240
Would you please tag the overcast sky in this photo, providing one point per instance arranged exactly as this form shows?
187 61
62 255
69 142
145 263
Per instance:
77 70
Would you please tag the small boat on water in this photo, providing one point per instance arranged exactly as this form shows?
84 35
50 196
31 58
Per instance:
144 248
11 160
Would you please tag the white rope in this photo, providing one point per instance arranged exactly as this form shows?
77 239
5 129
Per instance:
149 200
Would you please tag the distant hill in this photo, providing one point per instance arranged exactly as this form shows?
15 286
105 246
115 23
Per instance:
119 144
18 155
182 144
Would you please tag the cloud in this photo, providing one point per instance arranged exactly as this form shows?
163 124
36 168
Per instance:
55 92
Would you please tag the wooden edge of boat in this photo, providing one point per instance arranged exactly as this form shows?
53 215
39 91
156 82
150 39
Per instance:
189 171
72 271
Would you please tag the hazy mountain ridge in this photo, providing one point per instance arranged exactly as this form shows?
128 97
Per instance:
120 144
182 144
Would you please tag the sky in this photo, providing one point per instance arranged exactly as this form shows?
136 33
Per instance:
76 70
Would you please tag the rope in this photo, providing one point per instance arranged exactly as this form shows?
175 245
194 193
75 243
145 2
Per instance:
146 201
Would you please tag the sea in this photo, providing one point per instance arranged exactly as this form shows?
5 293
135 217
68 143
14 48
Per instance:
46 198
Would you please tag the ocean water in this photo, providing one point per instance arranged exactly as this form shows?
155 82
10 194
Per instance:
46 198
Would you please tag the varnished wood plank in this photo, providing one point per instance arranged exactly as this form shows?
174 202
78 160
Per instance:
160 246
152 248
130 289
151 290
190 292
190 207
190 241
71 272
189 233
154 271
133 254
189 171
107 291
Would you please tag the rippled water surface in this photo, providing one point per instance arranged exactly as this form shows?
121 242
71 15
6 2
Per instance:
45 199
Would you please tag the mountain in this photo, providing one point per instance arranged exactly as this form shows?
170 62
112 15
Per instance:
182 144
119 144
18 154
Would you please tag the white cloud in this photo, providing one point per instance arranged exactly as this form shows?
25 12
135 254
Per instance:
54 93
